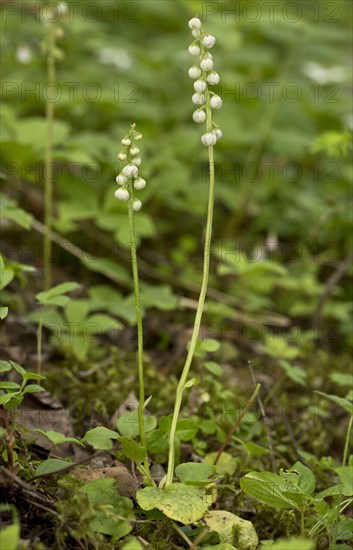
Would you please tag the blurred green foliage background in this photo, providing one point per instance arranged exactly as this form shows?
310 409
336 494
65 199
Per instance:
283 199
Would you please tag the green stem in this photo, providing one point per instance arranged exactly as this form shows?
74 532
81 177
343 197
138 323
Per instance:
346 445
139 332
200 306
48 172
302 523
39 344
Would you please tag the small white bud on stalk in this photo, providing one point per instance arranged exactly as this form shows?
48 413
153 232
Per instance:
208 139
199 99
195 23
200 86
218 133
206 64
122 194
194 50
130 171
216 102
122 156
120 180
134 151
139 184
195 72
126 142
136 161
199 116
208 41
196 33
213 78
136 205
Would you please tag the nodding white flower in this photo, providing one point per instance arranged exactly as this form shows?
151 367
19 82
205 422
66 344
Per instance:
200 86
136 205
24 54
194 50
208 139
139 184
134 151
195 72
62 8
126 142
195 23
120 179
137 136
122 156
217 133
130 171
136 161
196 33
199 116
122 194
208 41
213 78
216 102
199 99
206 64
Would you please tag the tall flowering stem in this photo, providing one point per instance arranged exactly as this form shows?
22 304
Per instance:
204 76
52 53
128 180
48 174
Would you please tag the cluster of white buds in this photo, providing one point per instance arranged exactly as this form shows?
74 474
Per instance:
129 179
204 76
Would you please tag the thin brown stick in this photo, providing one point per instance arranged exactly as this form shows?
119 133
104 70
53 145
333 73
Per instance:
266 420
237 424
331 282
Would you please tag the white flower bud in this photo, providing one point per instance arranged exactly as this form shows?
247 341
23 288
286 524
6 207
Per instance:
120 180
213 78
137 136
206 64
136 161
200 86
216 102
199 116
139 184
195 23
218 133
62 8
194 50
130 171
199 99
136 205
122 194
208 41
208 139
195 72
122 156
134 151
196 33
126 142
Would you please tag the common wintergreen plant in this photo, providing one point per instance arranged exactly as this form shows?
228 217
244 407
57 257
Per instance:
128 180
204 76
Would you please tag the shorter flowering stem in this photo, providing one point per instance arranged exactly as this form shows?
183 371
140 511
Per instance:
139 332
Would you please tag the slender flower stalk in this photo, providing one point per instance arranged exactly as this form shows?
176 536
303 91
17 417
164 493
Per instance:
48 173
52 53
205 76
128 180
